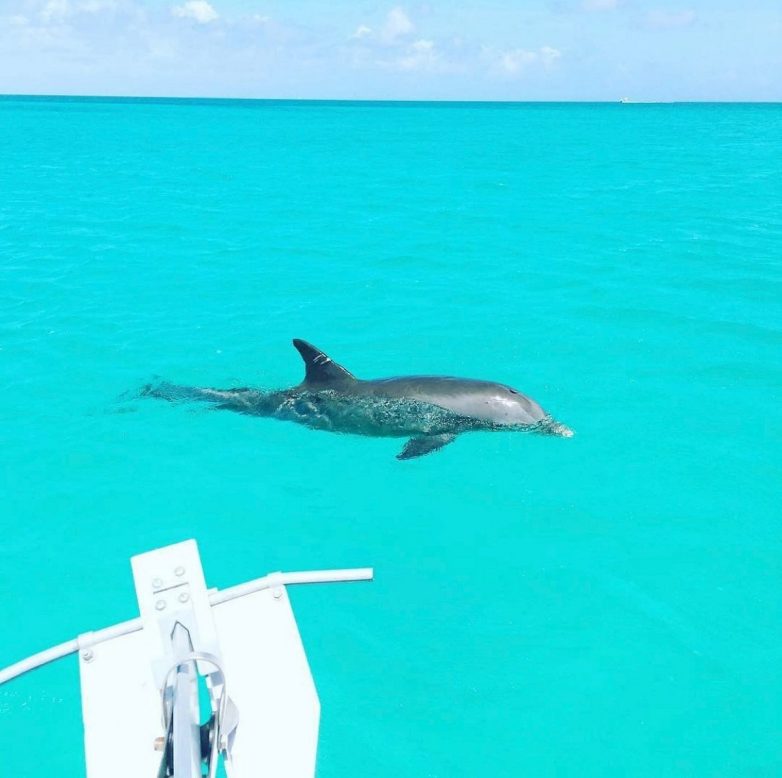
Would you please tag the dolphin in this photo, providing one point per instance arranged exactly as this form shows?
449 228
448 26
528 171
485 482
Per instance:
429 410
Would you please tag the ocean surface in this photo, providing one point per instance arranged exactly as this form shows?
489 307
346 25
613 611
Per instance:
604 605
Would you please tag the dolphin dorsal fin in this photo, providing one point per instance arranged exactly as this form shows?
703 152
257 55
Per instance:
321 369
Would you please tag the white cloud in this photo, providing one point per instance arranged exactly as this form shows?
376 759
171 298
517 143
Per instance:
393 45
197 10
513 62
549 55
55 10
667 19
421 55
599 5
397 25
362 31
516 60
390 45
96 6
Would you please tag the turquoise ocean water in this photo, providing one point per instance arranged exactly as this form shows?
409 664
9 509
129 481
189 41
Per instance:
604 605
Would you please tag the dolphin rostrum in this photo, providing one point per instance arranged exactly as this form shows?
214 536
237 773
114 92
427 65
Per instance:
430 410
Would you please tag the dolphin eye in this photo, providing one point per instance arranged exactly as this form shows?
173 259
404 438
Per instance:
512 391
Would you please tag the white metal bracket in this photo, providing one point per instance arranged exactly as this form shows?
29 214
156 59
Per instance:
171 590
268 726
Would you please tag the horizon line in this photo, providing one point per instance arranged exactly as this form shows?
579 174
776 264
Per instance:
617 101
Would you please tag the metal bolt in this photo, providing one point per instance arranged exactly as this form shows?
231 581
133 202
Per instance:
160 605
180 571
184 597
87 655
277 592
157 583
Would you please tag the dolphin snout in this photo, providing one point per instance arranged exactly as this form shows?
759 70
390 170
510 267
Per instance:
559 429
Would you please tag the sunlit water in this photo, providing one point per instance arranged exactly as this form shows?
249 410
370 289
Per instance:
602 605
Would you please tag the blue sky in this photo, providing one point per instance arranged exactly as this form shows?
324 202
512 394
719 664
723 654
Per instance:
462 49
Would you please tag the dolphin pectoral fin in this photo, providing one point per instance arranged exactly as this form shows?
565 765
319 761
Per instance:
320 368
418 447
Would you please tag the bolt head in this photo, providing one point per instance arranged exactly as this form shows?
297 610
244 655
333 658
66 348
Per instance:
160 605
87 655
184 597
157 583
179 571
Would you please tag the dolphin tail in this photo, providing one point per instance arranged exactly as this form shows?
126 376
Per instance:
426 444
